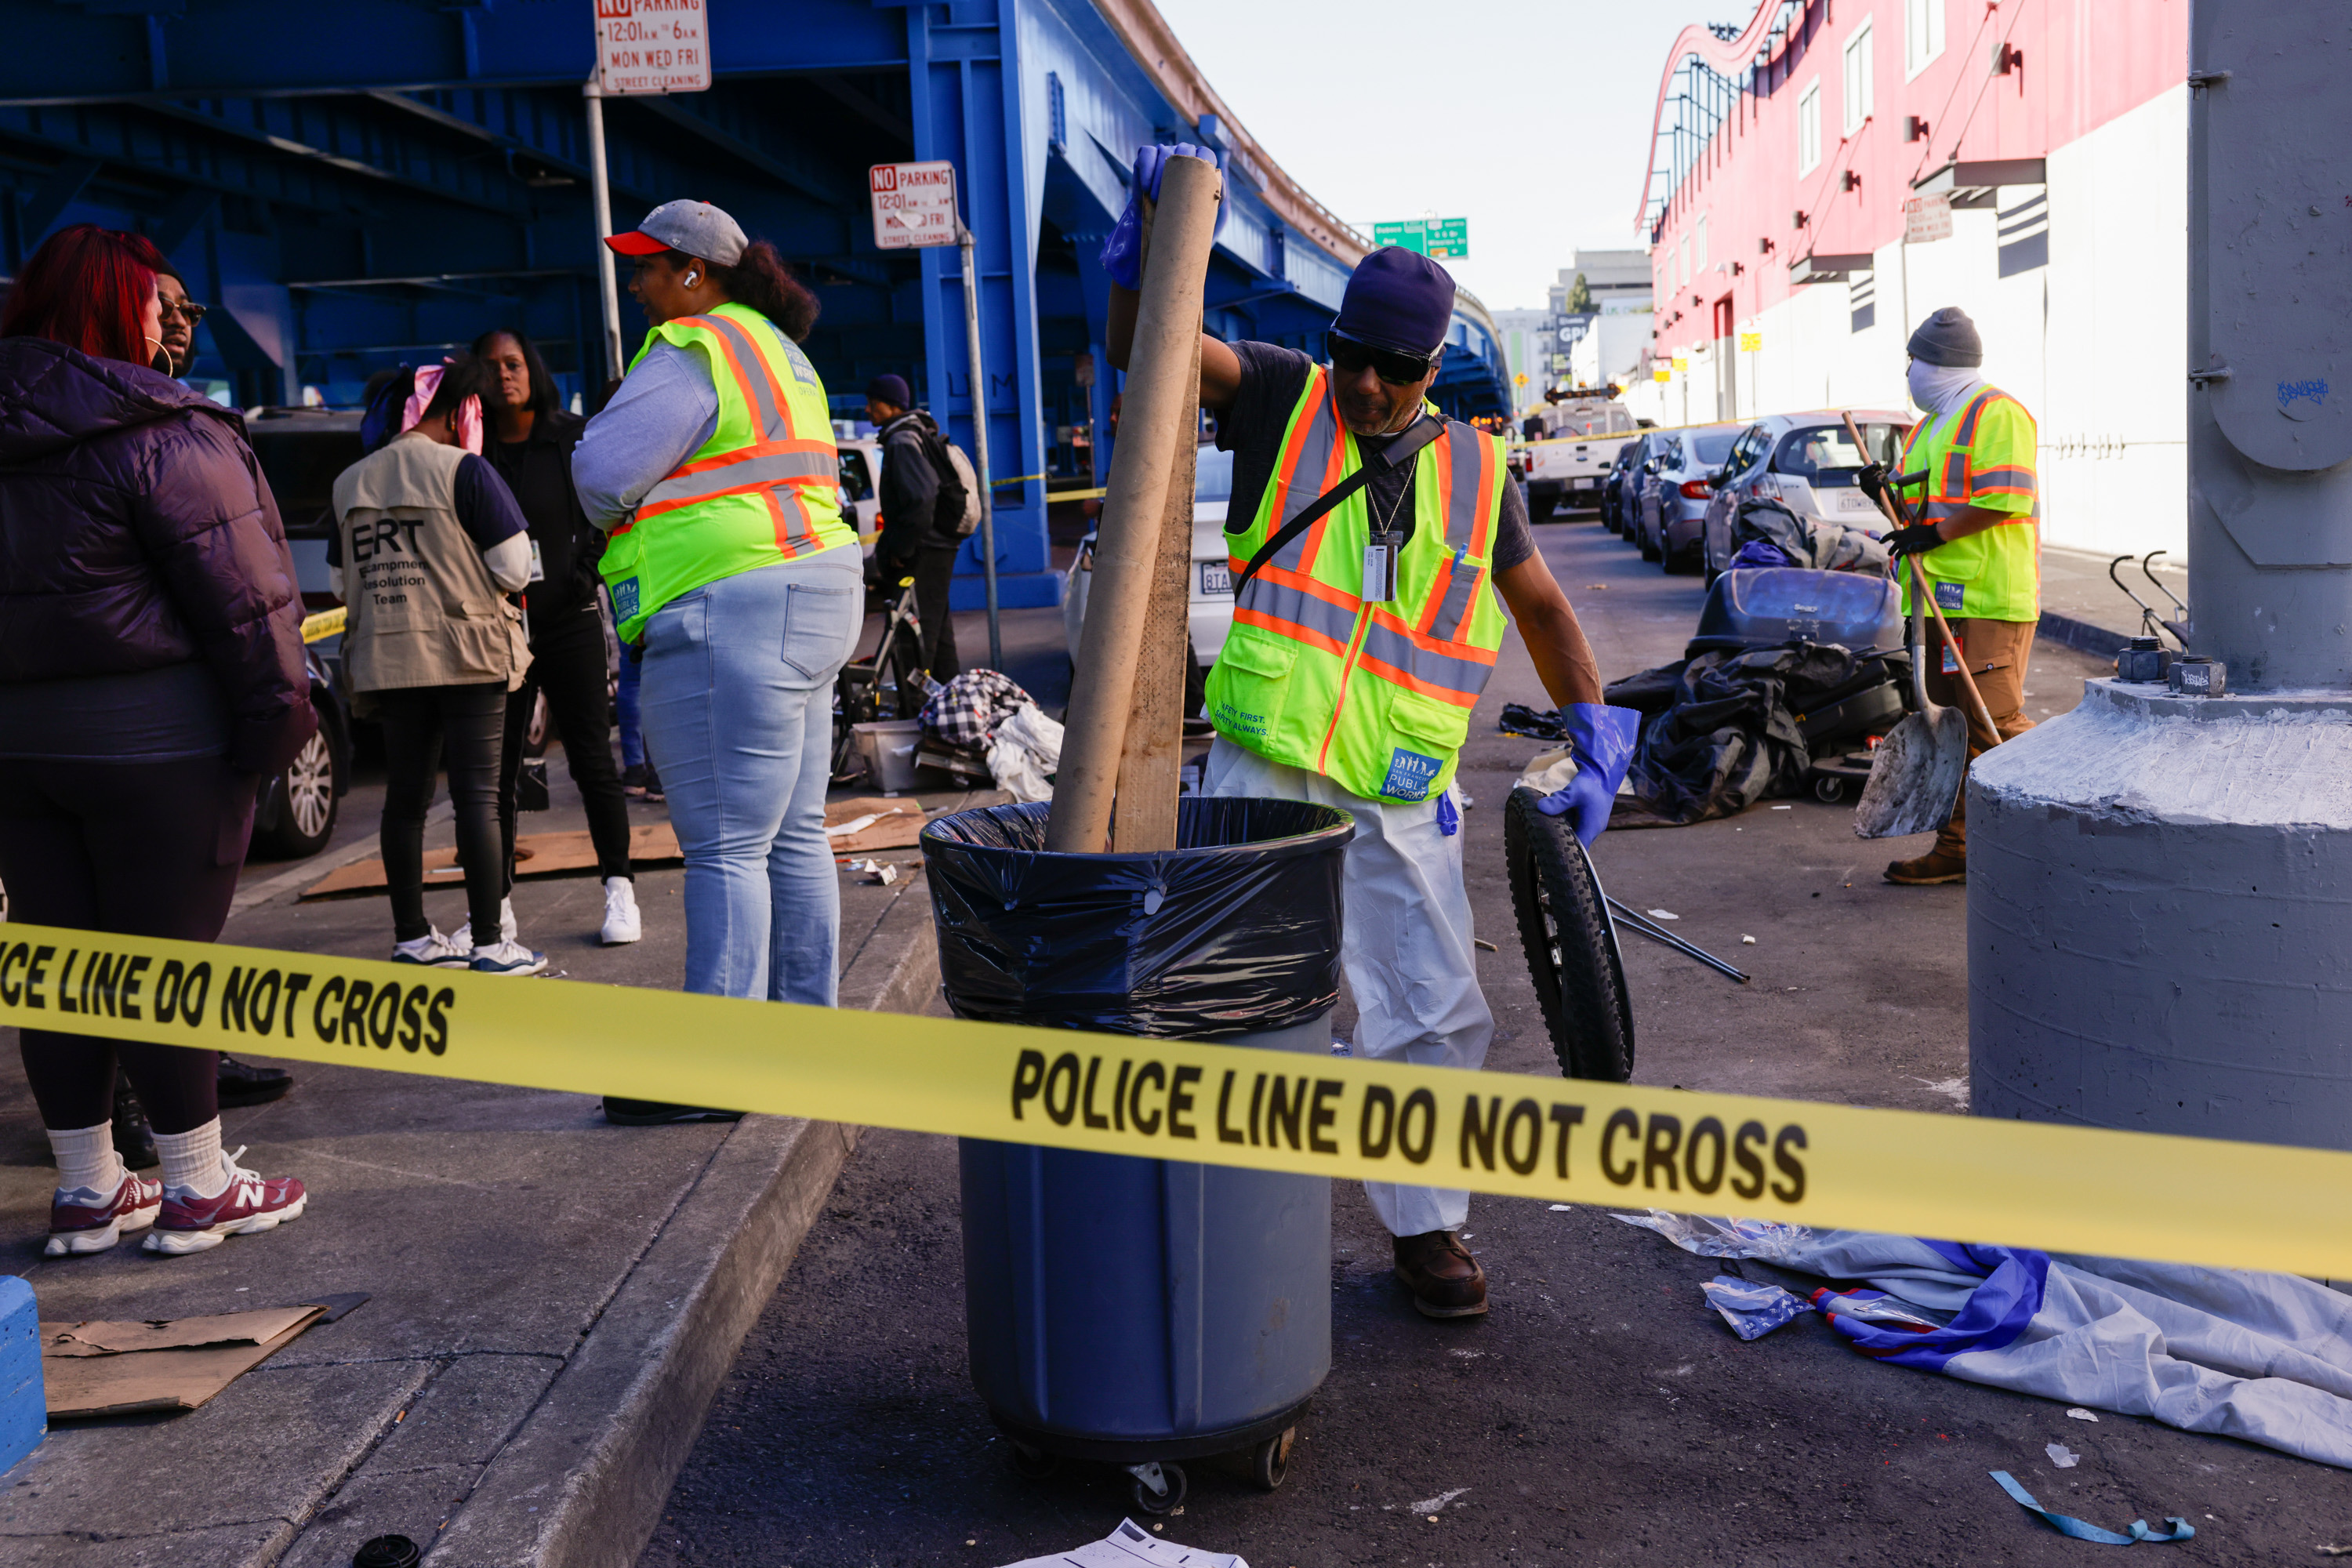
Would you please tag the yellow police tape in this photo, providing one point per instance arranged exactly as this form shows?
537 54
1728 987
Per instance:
1569 1141
325 624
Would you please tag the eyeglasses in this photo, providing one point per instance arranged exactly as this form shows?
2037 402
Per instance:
188 308
1349 356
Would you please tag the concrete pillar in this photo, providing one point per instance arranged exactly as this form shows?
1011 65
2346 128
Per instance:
2159 886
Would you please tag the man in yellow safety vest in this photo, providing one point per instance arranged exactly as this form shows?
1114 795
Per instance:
1967 481
1360 642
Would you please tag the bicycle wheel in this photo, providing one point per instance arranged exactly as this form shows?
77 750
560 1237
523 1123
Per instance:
1570 942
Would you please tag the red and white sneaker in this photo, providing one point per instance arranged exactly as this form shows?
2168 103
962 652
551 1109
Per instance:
82 1220
248 1205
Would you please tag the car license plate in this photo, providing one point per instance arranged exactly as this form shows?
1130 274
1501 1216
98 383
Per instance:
1216 579
1853 501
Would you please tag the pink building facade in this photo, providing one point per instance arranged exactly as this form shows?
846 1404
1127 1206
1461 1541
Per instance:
1843 167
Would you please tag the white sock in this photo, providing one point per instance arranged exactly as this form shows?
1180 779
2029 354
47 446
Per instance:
86 1158
191 1160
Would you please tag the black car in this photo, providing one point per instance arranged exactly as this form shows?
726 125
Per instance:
1612 486
302 451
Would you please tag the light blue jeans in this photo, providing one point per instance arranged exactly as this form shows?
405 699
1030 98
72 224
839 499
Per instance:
738 708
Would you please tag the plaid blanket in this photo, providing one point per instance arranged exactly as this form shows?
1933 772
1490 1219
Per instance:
967 709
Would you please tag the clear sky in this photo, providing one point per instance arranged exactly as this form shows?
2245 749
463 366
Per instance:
1530 118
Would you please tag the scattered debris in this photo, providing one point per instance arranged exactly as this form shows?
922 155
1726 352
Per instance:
1562 1208
1664 915
2062 1456
1752 1310
1784 808
1129 1547
2067 1524
1746 940
2079 1414
1482 946
875 871
1433 1506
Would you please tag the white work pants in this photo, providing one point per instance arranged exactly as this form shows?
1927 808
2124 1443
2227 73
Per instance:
1405 946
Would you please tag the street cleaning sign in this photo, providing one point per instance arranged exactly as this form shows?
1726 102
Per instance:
914 204
1440 238
651 47
2020 1183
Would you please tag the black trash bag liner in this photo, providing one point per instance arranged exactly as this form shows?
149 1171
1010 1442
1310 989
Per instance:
1234 932
1719 731
1518 718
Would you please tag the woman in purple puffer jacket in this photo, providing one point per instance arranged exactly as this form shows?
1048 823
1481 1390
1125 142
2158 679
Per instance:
150 676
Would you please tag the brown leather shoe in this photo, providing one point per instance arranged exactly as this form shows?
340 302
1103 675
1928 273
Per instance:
1444 1279
1938 865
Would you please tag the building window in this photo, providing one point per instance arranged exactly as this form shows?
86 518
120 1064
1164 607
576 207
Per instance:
1681 254
1698 246
1808 129
1923 37
1857 78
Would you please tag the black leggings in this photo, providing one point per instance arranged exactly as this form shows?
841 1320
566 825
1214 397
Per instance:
567 662
420 724
142 849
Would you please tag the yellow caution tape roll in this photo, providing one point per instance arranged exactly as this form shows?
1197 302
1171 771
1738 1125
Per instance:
2020 1183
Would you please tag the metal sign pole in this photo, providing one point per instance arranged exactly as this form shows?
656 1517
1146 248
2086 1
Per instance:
980 442
600 191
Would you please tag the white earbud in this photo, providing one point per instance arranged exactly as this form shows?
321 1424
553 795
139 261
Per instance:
692 278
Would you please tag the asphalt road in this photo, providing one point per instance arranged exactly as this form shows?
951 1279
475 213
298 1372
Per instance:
1601 1413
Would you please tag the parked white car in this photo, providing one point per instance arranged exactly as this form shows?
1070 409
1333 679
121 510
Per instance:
861 475
1210 612
1809 464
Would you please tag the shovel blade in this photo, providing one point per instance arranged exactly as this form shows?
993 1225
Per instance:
1915 776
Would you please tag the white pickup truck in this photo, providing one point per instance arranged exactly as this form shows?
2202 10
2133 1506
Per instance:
1565 466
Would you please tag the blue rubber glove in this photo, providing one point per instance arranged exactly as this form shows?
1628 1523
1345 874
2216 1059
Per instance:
1600 739
1122 253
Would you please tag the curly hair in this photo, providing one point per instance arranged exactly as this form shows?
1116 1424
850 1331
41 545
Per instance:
761 280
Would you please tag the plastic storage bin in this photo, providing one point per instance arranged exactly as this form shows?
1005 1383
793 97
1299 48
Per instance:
1142 1311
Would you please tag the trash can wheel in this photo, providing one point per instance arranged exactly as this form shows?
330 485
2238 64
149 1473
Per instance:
1829 787
1030 1464
1270 1460
1161 1502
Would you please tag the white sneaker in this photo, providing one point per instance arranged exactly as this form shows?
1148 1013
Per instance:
464 935
621 922
437 951
508 958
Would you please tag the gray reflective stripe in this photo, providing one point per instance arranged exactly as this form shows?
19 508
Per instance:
1398 651
773 426
1307 480
751 472
1285 603
1456 611
1461 448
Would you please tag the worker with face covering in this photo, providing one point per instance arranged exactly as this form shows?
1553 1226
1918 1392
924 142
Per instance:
1967 484
1359 650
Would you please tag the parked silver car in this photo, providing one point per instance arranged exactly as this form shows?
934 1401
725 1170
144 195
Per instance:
1809 464
1677 480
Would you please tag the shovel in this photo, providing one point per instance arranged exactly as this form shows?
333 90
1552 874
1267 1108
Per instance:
1915 774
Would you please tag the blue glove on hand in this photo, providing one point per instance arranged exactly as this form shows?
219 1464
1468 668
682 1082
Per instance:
1122 253
1600 739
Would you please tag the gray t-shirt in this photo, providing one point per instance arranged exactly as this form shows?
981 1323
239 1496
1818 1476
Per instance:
1271 379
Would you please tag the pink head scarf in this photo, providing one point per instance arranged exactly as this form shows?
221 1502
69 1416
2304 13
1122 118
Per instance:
469 412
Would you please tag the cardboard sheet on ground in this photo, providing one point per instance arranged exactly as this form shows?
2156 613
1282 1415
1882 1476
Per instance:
1131 1546
99 1368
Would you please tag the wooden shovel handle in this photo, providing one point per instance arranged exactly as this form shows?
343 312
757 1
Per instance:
1891 505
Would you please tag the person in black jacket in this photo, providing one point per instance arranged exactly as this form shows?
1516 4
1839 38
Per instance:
916 540
532 437
150 676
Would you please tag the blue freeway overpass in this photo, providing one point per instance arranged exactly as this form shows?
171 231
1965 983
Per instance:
352 185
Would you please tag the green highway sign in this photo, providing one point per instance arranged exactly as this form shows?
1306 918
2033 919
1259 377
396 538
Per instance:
1446 239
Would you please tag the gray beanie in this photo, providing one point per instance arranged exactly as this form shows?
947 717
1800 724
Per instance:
1948 338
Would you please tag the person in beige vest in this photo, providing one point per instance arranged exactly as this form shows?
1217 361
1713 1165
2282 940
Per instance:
428 545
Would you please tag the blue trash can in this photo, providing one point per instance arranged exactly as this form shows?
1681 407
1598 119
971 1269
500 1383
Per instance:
1145 1312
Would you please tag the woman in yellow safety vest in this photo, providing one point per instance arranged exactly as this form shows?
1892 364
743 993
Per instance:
714 471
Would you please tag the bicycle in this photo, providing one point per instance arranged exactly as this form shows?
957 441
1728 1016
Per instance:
858 692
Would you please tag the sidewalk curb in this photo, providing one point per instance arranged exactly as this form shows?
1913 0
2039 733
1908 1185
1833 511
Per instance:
581 1482
2080 635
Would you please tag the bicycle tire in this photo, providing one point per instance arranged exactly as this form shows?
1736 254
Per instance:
1570 943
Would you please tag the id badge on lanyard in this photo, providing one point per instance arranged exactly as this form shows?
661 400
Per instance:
1380 567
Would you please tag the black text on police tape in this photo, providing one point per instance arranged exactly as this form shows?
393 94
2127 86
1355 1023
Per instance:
1310 1115
338 1009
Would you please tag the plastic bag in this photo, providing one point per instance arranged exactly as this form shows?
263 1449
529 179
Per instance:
1768 1239
1235 930
1752 1310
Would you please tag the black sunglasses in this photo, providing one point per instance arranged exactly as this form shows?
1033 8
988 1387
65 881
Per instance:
1349 356
189 309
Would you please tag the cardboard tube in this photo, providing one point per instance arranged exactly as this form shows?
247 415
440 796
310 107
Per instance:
1159 409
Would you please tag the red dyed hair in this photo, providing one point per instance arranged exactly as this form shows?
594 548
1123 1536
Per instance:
87 288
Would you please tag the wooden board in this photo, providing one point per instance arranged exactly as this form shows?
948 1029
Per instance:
898 825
